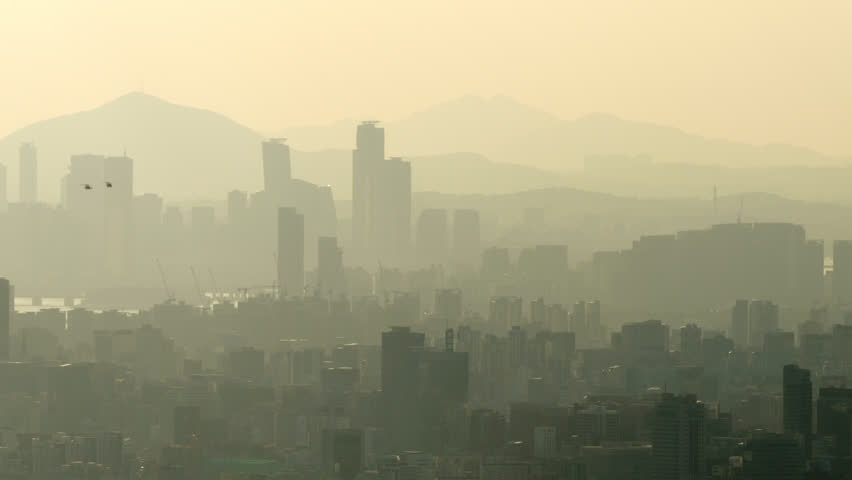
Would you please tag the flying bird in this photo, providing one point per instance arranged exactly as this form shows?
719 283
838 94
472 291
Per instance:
108 184
86 186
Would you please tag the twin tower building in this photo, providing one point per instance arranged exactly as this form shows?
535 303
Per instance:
381 220
381 215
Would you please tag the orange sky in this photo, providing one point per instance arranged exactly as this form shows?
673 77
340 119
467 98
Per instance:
759 71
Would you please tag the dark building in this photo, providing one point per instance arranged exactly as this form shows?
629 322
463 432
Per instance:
834 418
246 363
798 404
401 384
773 456
187 424
291 252
678 438
342 453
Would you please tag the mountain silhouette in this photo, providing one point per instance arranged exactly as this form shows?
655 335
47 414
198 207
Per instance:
180 152
506 131
186 153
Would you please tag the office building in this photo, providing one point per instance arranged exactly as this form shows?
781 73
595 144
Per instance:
431 241
118 213
448 305
187 424
330 274
401 384
762 318
7 306
798 404
343 453
381 201
773 456
544 442
505 312
276 168
291 252
28 171
678 438
739 324
834 418
690 344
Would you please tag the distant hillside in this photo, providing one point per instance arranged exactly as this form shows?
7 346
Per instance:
179 151
506 131
453 173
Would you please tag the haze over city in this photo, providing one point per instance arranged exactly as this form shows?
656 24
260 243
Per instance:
425 240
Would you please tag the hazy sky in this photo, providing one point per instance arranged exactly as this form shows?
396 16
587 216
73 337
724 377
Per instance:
759 71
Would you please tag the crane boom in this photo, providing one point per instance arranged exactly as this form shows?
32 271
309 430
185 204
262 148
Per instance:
197 286
170 297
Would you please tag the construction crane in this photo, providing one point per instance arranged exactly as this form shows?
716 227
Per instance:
216 290
201 297
170 296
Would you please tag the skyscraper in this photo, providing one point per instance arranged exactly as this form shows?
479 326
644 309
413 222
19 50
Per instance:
28 170
276 167
448 305
466 237
330 274
381 201
369 151
678 439
432 237
739 324
118 210
762 318
834 418
291 252
400 384
7 304
773 456
505 312
798 404
690 344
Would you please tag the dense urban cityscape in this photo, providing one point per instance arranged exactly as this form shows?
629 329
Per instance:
416 352
425 240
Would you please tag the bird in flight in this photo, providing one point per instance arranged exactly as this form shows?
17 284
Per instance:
86 186
108 184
